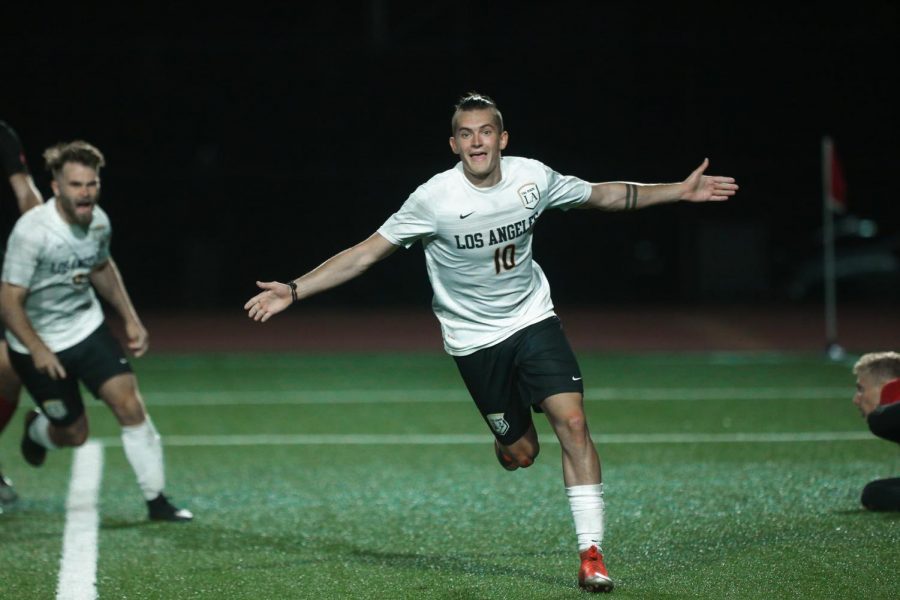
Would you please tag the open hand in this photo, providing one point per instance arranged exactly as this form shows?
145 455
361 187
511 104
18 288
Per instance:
275 298
702 188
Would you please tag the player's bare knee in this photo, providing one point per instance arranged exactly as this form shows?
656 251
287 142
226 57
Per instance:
128 410
73 435
576 424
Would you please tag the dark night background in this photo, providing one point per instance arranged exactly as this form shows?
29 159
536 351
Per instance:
254 144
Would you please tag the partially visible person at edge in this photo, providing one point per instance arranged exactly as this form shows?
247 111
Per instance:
14 165
475 222
878 399
57 255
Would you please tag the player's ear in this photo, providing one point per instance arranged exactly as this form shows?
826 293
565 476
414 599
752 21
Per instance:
453 145
54 186
504 139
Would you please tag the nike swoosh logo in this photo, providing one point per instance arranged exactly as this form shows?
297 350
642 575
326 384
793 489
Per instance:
576 378
466 215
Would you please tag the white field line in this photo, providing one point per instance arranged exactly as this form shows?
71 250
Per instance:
478 439
78 565
414 396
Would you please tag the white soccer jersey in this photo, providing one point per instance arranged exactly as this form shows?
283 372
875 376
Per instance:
477 245
53 260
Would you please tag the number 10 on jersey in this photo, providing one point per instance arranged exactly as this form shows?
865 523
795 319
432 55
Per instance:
504 258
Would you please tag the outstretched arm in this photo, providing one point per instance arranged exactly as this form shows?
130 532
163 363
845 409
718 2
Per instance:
107 280
622 195
338 269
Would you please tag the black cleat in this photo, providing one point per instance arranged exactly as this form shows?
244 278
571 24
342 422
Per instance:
34 453
160 509
8 493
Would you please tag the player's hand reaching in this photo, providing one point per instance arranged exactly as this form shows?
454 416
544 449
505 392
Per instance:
46 362
138 338
702 188
276 297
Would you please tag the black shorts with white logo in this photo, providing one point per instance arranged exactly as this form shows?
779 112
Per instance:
92 361
510 379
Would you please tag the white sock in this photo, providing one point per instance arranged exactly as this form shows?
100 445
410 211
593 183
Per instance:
586 502
39 431
143 448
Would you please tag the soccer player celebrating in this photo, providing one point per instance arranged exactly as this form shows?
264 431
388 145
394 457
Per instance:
58 254
878 399
12 160
475 222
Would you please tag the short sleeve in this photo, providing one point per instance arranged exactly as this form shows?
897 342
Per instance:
414 221
565 191
22 255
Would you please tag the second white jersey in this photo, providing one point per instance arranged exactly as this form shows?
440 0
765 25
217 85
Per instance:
477 245
54 260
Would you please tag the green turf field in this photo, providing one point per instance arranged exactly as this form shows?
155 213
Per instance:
364 476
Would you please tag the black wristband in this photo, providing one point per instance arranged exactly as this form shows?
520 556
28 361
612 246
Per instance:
293 286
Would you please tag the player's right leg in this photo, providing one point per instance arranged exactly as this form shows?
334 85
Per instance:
520 453
61 421
489 375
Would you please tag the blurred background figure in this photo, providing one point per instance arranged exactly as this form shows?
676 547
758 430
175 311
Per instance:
878 399
12 159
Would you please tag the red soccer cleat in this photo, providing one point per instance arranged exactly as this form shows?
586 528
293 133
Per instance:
593 576
505 460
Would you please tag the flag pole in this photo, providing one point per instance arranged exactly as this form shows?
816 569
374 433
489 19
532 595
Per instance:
832 348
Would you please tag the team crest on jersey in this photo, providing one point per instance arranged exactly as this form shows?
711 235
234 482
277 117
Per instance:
530 195
499 424
55 409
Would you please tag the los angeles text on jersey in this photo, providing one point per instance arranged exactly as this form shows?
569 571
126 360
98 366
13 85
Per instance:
75 262
497 235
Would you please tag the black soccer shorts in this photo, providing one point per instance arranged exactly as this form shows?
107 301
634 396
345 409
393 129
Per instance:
510 379
92 361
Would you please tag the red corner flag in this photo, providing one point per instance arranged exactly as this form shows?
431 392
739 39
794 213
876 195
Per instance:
835 184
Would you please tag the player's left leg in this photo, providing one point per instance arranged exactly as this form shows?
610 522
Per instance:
9 400
581 473
549 376
106 372
581 463
142 444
